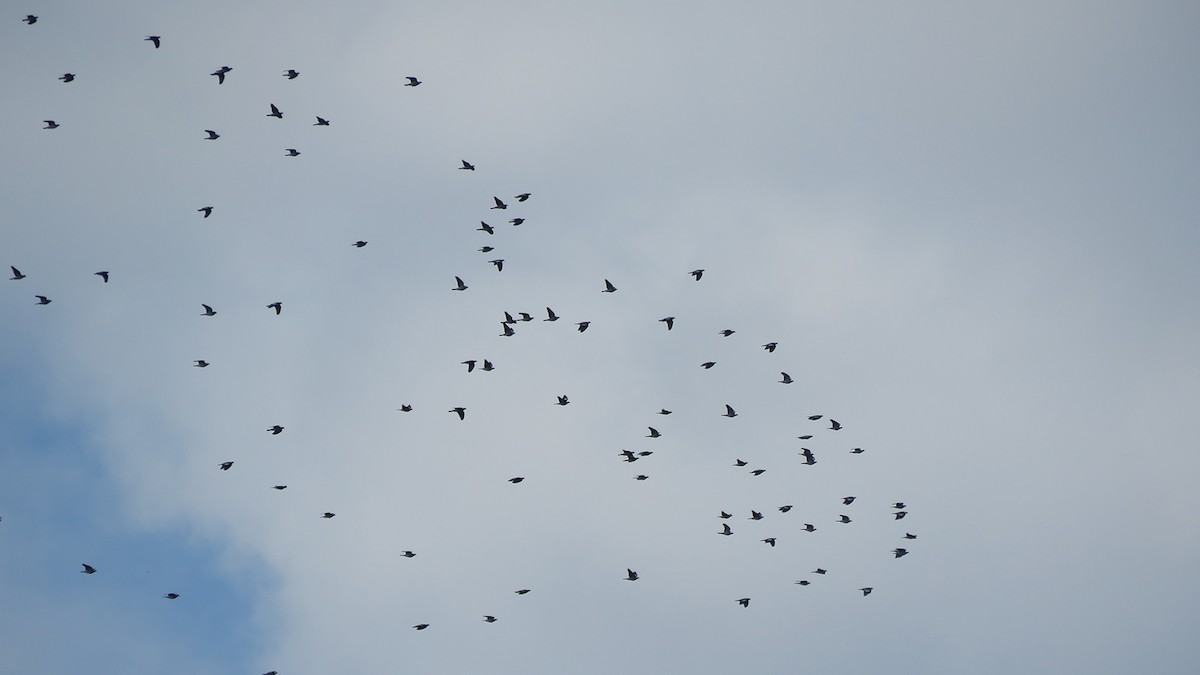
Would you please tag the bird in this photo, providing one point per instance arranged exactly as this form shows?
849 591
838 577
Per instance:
155 39
726 515
489 618
42 300
848 500
708 364
645 453
522 591
866 591
292 152
808 527
608 287
508 330
421 626
499 263
808 456
770 346
466 166
103 275
834 425
755 515
516 479
758 472
641 476
404 407
470 364
522 197
275 430
17 276
170 596
744 602
769 540
843 519
631 575
462 412
819 571
785 508
321 121
814 418
526 316
51 124
486 249
550 315
225 465
787 379
562 400
900 515
583 325
499 204
412 81
279 487
628 455
220 74
516 221
857 451
328 514
30 19
727 531
653 433
802 582
909 535
487 366
208 311
805 437
697 274
484 227
67 77
664 411
899 552
200 363
508 319
459 285
898 505
291 74
212 135
87 569
359 244
275 112
408 554
727 332
206 210
729 412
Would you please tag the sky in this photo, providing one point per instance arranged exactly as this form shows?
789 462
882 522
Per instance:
969 228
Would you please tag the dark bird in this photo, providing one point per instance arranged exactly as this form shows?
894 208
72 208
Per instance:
669 320
275 430
866 591
155 39
67 77
522 197
462 412
819 571
466 166
206 210
421 626
628 455
729 412
489 618
808 527
769 540
843 519
833 424
459 285
664 411
516 221
755 515
30 19
487 366
708 364
499 204
697 274
802 582
898 505
484 227
900 515
50 124
787 379
212 135
404 407
848 500
526 316
103 275
469 363
550 315
321 122
631 575
726 531
899 552
277 306
562 400
856 451
516 479
225 465
641 476
508 330
805 437
608 287
408 554
486 249
770 346
744 602
653 433
412 81
583 325
726 515
17 276
523 591
278 487
785 508
208 311
645 453
814 418
201 363
87 569
909 535
758 472
359 244
808 457
328 514
291 152
275 112
220 74
170 596
508 318
499 263
291 74
727 332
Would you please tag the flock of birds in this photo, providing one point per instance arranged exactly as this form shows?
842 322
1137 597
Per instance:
508 328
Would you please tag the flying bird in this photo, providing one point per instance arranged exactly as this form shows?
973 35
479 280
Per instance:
755 515
206 210
275 430
583 325
466 166
201 363
758 472
220 74
486 249
819 571
321 122
803 582
30 19
562 400
727 332
522 591
856 451
726 515
631 575
843 519
170 596
516 479
408 554
729 412
291 74
359 244
87 569
404 407
489 618
226 465
900 515
279 487
460 286
808 457
67 77
708 364
550 315
909 535
814 418
848 500
499 263
744 602
155 39
808 527
770 346
277 306
899 552
103 275
834 425
805 437
739 462
208 311
487 366
664 411
462 412
212 135
628 455
669 320
499 204
522 197
470 364
608 287
697 274
785 508
653 433
508 330
51 124
421 626
17 276
484 227
526 316
726 531
769 540
516 221
275 112
866 591
412 81
898 505
787 379
328 514
641 476
292 152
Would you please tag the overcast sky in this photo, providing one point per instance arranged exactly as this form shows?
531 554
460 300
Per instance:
972 231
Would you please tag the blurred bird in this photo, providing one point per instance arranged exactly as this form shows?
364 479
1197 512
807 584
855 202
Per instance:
516 479
484 227
727 332
898 505
487 366
359 244
785 508
67 77
212 135
225 465
526 316
522 197
856 451
669 320
208 311
562 400
630 575
30 19
729 412
275 112
279 487
87 569
900 515
321 122
833 424
277 306
462 412
328 514
459 285
103 275
516 221
653 433
909 535
819 571
207 210
499 263
404 407
489 618
466 166
726 531
486 249
726 515
808 527
291 74
770 346
769 540
508 331
421 626
171 596
814 418
758 472
201 363
292 152
900 552
641 476
523 591
155 39
583 325
739 462
808 457
499 204
628 455
697 274
412 81
803 582
50 124
408 554
844 519
805 437
469 363
708 364
866 591
848 500
17 276
744 602
787 379
664 411
220 74
755 515
275 430
550 315
608 287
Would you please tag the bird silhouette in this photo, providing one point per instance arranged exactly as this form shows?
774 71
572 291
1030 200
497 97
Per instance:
291 74
30 19
664 411
201 363
87 569
641 476
857 451
484 227
708 364
275 430
628 455
220 74
653 433
17 276
866 591
499 263
808 527
154 39
277 306
805 437
744 602
470 364
550 315
787 379
583 325
516 221
489 618
279 487
769 540
459 285
562 400
729 412
808 457
291 152
819 571
909 535
359 244
321 122
42 300
758 472
844 519
421 626
755 515
486 249
669 320
697 274
103 275
170 596
51 124
802 582
275 112
608 287
726 531
833 424
508 330
900 515
526 316
785 508
404 407
630 575
814 418
898 505
466 166
208 311
212 135
725 515
226 465
522 197
522 591
770 346
499 204
206 210
67 77
848 500
408 554
462 412
899 552
727 332
516 479
328 514
487 366
412 81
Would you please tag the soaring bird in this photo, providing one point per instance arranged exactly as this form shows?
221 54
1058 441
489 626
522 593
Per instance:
769 540
697 274
785 508
629 456
489 618
277 306
67 77
30 19
726 530
550 315
404 407
898 505
220 74
291 74
421 626
408 554
507 330
499 204
103 275
848 500
499 263
900 515
522 197
275 430
739 462
328 514
522 591
744 602
487 366
770 346
359 244
909 535
755 515
708 364
608 287
226 465
201 363
484 227
758 472
487 249
727 332
866 590
834 425
631 575
17 276
466 166
516 479
583 325
641 476
805 437
170 596
275 112
562 400
819 571
729 412
212 135
279 487
51 124
462 412
664 411
900 552
814 418
155 39
856 451
206 210
843 519
412 81
321 121
787 379
208 311
669 320
726 515
516 221
459 285
87 569
291 152
469 363
803 582
809 527
808 456
526 316
653 433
